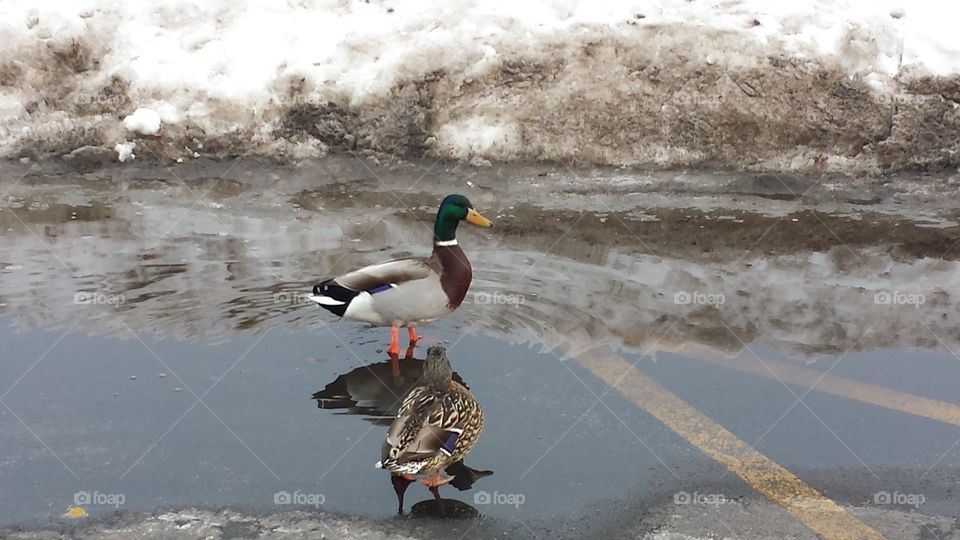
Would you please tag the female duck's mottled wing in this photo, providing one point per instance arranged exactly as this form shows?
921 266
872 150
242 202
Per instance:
420 430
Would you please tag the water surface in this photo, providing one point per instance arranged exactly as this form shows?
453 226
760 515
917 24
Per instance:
158 343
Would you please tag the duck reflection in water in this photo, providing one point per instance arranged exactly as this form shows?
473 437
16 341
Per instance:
435 432
375 391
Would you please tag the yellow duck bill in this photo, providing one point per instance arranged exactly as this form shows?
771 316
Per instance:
475 218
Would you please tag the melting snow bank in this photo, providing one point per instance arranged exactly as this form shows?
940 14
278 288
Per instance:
851 86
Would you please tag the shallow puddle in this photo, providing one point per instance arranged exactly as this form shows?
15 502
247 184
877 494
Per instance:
159 347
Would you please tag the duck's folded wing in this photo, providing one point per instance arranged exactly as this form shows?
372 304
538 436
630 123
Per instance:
430 440
388 274
420 429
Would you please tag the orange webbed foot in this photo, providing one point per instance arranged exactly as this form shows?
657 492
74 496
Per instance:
436 481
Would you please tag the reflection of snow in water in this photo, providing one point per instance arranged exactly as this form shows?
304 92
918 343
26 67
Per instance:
800 303
184 273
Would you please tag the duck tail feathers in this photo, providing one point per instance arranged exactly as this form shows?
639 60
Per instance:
333 297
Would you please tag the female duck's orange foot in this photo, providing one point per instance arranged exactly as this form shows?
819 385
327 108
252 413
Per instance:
436 481
394 348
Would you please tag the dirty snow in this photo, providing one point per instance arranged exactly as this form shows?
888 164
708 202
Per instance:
471 79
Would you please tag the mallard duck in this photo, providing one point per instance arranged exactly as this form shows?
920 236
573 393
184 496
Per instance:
438 423
412 290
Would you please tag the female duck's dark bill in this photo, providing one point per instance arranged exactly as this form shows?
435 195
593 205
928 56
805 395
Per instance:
474 218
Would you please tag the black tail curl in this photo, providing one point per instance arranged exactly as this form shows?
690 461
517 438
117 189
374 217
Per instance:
331 290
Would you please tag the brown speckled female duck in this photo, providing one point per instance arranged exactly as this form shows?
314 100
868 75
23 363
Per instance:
437 425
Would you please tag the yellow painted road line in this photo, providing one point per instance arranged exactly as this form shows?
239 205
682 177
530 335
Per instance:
806 504
844 387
